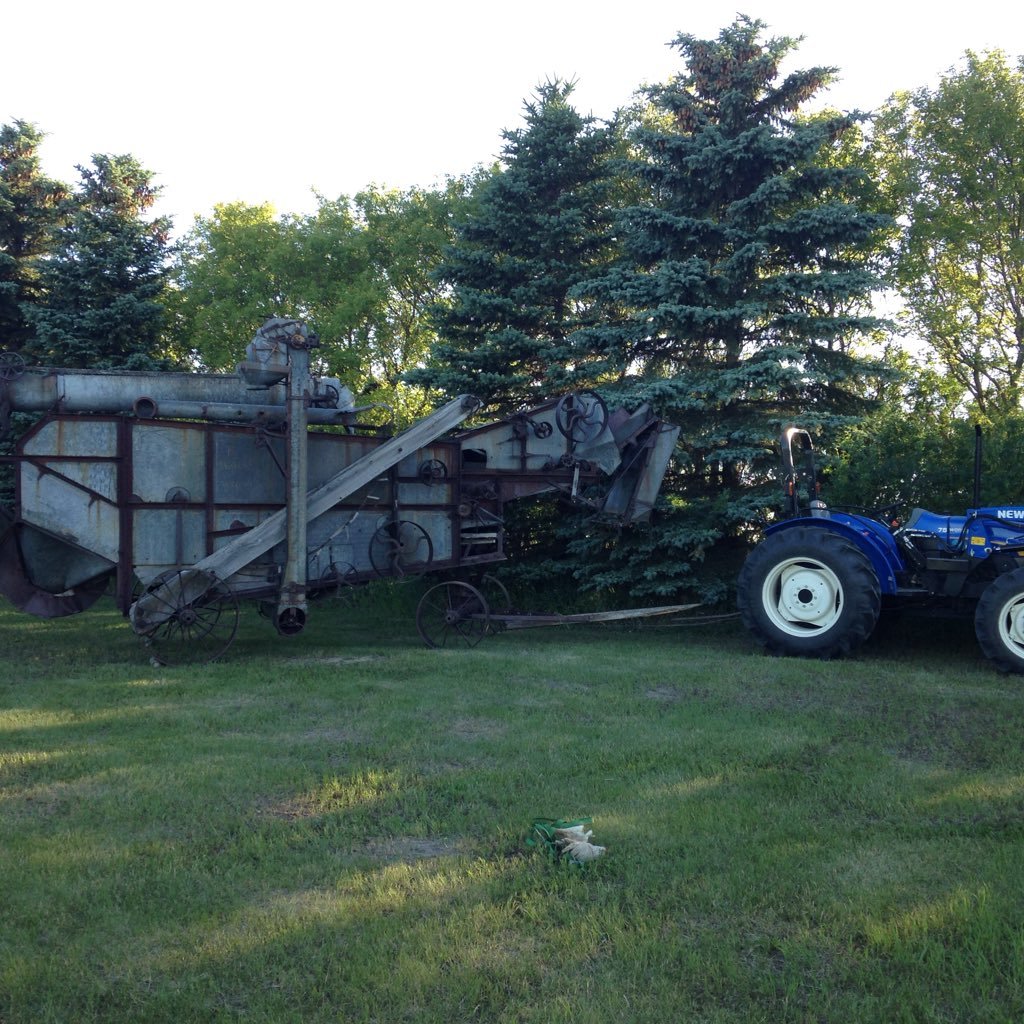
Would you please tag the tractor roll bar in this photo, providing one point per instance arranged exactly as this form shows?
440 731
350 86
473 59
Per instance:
792 473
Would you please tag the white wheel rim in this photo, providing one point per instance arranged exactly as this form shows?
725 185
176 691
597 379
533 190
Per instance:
803 597
1011 624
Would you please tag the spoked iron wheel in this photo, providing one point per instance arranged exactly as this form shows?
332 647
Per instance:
196 624
401 549
498 599
581 416
453 614
338 582
12 365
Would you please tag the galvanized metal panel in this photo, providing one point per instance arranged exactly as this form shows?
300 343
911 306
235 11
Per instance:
97 477
416 493
499 446
329 454
87 437
168 537
246 472
168 458
343 537
654 472
117 390
55 566
250 546
60 508
234 518
438 526
414 463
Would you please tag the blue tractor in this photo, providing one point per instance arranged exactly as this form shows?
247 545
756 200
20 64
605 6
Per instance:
819 579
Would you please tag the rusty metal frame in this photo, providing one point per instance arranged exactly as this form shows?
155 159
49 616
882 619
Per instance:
463 518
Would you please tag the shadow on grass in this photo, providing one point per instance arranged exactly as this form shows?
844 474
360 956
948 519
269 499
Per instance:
286 836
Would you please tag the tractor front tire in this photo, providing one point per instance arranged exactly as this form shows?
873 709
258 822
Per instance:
809 592
999 621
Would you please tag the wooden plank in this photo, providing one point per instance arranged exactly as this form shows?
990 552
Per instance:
616 615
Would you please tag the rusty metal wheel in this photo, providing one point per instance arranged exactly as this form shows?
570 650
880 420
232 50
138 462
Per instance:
454 614
496 593
193 622
498 599
338 582
581 416
433 471
12 365
401 549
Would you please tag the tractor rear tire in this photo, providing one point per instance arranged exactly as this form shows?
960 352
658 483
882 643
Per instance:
809 592
999 621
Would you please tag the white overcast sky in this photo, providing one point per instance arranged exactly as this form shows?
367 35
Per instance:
266 102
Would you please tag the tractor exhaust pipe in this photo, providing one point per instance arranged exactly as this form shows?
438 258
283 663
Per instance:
977 465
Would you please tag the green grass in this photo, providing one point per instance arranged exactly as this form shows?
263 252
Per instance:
330 828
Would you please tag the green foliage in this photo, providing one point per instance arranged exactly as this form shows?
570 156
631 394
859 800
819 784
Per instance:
650 562
332 828
227 282
104 274
953 170
916 449
357 270
539 226
31 207
743 286
405 238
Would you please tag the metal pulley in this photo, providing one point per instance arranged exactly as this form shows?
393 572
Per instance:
581 416
12 366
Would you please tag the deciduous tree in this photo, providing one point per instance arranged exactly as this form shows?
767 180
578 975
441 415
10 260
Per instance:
953 162
358 270
406 235
231 273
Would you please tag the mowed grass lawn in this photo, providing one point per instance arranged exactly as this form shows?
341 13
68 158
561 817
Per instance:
331 828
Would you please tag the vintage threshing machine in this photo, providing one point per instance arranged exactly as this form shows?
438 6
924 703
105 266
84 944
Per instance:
193 491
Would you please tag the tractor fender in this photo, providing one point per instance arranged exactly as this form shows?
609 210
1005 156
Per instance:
870 537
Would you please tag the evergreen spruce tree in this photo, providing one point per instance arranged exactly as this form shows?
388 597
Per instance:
105 275
30 205
743 283
539 227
